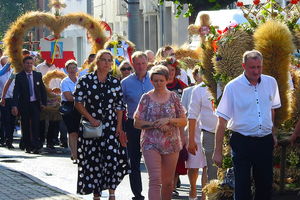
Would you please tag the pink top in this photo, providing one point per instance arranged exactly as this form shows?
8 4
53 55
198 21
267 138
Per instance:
150 110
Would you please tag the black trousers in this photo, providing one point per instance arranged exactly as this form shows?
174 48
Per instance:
134 154
252 155
8 121
53 129
30 123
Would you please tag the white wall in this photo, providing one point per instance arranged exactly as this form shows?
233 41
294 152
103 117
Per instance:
77 33
109 11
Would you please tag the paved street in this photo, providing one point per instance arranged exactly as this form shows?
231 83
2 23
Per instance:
52 175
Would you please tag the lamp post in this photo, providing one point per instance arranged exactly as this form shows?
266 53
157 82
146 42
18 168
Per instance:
134 22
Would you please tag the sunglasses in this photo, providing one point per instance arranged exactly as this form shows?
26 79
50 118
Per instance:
126 68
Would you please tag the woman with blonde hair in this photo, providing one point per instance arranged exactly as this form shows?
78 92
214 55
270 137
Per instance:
102 160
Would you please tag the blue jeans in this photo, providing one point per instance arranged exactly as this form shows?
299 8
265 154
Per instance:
252 154
134 154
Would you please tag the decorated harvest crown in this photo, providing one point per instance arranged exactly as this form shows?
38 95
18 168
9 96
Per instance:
57 5
14 37
259 13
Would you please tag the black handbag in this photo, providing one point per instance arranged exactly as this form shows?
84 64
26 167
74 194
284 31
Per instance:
66 108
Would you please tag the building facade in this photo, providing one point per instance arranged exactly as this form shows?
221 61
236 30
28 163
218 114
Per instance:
157 24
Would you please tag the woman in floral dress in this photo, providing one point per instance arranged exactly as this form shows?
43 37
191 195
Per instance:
102 161
159 115
177 86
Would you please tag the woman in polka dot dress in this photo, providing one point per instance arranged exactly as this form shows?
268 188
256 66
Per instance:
102 161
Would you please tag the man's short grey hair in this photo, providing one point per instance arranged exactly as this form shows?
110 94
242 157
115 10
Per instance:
253 54
159 70
138 54
149 51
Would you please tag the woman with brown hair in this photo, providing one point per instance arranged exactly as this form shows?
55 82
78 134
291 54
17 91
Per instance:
125 69
177 86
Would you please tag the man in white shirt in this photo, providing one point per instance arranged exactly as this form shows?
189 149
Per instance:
248 105
7 119
45 67
201 113
53 126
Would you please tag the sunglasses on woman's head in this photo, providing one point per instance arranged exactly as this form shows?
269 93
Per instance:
125 68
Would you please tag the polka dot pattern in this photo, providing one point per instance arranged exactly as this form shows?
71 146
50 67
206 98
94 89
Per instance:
103 161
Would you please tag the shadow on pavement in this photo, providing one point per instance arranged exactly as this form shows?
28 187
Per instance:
16 185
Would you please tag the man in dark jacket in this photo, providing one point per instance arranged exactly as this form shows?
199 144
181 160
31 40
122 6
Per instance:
29 97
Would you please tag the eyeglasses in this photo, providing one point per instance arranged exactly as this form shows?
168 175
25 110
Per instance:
105 60
126 68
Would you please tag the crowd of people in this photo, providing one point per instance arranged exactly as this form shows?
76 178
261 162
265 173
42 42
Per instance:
152 110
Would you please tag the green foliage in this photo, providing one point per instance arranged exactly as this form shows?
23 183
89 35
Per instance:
11 10
195 6
293 159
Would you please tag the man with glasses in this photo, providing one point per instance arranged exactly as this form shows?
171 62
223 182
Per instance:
134 86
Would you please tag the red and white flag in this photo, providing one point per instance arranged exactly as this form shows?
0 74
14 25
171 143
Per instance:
57 51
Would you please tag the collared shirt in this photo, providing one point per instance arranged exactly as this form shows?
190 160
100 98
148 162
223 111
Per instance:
248 108
44 68
32 98
67 85
133 89
185 101
3 79
201 108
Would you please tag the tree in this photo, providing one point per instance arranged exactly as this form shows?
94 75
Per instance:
11 10
194 6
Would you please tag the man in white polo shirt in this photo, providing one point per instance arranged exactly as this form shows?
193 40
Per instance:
248 105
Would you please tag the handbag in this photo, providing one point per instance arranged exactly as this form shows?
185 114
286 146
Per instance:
90 131
183 154
65 109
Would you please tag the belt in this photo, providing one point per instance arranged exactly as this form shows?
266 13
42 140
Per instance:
250 137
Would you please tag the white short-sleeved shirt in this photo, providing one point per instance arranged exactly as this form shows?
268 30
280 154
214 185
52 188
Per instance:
44 68
201 107
247 108
67 85
3 79
185 101
83 72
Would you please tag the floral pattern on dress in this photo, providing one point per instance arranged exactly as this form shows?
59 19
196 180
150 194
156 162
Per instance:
149 110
